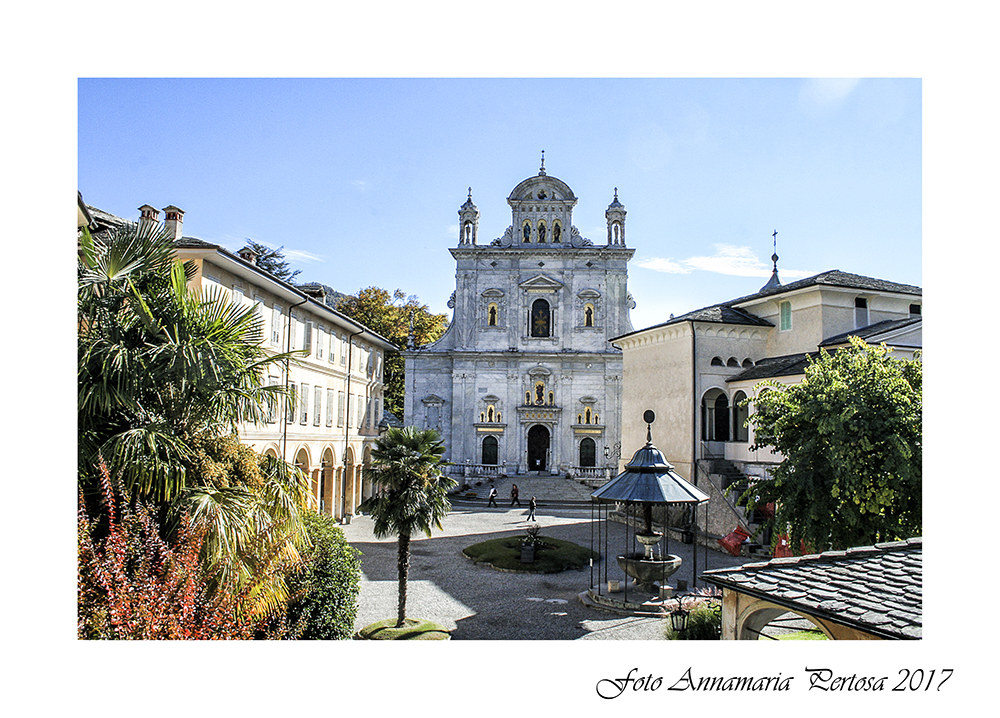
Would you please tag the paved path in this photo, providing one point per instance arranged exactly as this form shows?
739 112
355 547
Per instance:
479 602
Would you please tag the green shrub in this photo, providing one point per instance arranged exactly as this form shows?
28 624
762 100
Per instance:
325 591
704 624
551 555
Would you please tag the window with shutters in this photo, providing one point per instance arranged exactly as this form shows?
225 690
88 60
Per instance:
276 325
304 404
332 354
329 407
272 401
343 351
290 403
320 341
786 316
307 337
340 408
317 403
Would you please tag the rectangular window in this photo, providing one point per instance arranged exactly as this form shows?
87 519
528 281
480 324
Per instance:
329 407
320 343
786 316
276 325
317 403
304 404
290 403
272 401
307 337
860 312
238 297
340 408
360 411
343 351
914 310
333 347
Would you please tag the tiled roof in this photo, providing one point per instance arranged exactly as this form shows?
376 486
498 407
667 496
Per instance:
770 367
835 278
729 313
871 330
877 589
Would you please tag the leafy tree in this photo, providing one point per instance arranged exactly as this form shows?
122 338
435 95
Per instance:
412 493
326 590
390 315
850 434
273 261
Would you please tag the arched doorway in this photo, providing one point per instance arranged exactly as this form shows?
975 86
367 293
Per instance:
491 450
538 447
588 452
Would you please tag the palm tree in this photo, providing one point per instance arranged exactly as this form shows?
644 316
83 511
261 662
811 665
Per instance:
411 493
163 372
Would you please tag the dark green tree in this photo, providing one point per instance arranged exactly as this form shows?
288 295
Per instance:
411 493
391 316
851 437
273 261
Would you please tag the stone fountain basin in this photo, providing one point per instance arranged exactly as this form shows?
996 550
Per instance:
646 570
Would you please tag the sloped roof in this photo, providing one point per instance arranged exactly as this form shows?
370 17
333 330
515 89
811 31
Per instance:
877 589
887 325
730 313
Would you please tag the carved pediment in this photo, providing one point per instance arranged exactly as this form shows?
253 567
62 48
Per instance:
589 294
432 399
541 283
539 370
493 293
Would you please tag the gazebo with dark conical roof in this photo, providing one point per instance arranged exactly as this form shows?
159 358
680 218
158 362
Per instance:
648 480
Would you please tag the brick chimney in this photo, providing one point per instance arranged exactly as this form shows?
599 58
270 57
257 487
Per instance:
148 216
173 221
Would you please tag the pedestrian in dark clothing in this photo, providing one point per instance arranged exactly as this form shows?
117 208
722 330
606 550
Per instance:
513 496
532 505
493 497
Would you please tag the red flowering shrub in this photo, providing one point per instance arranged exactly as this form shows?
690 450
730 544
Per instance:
132 584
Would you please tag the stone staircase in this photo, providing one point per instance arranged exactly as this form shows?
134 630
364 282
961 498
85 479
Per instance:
551 491
734 483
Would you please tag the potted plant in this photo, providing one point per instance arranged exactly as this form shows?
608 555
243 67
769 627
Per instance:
529 543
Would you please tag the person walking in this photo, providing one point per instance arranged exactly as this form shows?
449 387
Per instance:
513 496
532 505
493 497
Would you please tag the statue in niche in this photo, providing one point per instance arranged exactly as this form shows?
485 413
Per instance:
527 232
541 232
468 232
493 316
539 394
589 317
556 233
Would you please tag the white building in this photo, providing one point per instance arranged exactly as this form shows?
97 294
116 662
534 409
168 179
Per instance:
524 379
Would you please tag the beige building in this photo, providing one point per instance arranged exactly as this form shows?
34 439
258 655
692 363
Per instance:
331 426
694 370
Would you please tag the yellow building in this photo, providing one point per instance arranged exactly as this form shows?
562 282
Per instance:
330 427
694 370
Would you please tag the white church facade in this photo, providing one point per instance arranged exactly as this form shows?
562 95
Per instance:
525 379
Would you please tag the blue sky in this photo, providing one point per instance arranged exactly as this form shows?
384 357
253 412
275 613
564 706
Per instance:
361 179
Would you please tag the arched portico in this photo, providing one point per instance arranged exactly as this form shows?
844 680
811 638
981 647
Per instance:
328 489
367 488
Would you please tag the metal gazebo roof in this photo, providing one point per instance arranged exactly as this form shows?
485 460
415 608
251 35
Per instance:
648 477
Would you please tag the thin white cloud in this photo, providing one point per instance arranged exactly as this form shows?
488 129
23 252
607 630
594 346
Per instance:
301 256
825 93
360 184
728 259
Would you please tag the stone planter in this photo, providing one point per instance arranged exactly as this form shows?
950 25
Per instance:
527 553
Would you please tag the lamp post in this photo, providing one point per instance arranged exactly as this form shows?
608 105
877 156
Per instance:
679 617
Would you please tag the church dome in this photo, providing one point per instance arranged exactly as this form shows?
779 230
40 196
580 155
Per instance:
542 187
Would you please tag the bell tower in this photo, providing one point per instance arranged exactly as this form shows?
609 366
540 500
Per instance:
468 222
615 215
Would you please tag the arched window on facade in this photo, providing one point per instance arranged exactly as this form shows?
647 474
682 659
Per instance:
732 362
721 418
740 413
541 319
588 452
491 450
717 361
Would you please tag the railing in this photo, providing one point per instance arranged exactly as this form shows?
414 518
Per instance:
589 472
473 470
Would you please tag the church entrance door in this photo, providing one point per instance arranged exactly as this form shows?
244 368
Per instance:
538 447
